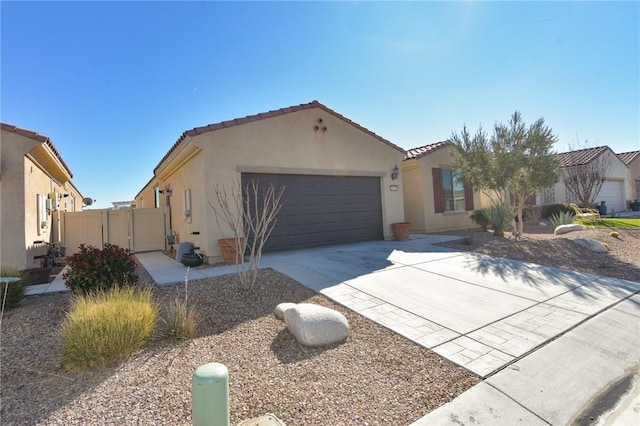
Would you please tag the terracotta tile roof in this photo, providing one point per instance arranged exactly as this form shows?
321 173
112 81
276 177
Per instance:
581 156
37 137
421 151
269 114
628 157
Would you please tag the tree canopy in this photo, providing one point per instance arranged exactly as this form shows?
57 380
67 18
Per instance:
511 164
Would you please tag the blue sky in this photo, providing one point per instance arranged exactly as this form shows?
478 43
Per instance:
114 84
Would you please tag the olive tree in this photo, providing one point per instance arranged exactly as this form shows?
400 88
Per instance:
510 164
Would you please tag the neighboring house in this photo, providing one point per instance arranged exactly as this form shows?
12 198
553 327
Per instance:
632 161
339 178
34 183
615 189
435 198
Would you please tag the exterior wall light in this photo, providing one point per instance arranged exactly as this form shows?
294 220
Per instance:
395 173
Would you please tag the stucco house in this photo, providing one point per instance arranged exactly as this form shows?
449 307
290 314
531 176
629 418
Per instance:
615 190
435 197
342 182
35 182
632 161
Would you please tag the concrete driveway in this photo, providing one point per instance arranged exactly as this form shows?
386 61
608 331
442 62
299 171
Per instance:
553 345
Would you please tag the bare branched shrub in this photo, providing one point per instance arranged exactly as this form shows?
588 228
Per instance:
250 213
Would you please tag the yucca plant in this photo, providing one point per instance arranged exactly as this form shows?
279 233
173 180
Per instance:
500 216
106 327
562 218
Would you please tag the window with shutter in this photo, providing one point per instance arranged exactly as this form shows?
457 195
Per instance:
450 194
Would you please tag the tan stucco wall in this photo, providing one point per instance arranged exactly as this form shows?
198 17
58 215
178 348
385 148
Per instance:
21 179
413 194
424 217
284 144
634 175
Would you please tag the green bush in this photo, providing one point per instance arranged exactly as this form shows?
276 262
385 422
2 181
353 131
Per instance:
479 217
94 269
105 327
551 209
562 218
15 290
500 216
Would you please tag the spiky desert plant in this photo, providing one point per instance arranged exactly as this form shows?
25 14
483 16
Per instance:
500 216
562 218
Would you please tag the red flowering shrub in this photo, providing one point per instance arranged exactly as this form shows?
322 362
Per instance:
94 269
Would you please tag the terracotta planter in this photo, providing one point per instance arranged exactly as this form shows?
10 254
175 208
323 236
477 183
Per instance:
401 230
230 252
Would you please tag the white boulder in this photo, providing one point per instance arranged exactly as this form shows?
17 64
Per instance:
279 310
591 245
565 229
315 325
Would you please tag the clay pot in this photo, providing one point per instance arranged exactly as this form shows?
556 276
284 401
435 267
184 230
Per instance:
401 230
230 252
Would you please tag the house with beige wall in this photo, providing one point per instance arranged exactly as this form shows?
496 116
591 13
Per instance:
616 188
339 178
435 197
632 161
35 183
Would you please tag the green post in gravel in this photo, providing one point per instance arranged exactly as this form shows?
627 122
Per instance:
210 395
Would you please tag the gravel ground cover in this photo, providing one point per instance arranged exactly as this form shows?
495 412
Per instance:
540 246
375 377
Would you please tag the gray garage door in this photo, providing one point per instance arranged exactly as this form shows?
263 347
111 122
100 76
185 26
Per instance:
324 210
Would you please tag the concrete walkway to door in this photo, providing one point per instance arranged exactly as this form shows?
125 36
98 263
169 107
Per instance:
547 341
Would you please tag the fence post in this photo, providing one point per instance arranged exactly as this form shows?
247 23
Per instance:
210 395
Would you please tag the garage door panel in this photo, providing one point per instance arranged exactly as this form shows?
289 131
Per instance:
324 210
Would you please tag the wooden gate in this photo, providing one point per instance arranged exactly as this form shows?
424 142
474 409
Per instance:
135 229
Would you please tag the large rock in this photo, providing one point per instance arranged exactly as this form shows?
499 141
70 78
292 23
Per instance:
279 310
315 325
564 229
590 244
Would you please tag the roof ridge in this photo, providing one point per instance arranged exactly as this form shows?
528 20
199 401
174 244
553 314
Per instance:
37 137
421 151
264 115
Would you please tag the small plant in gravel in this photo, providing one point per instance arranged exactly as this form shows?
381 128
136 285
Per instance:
562 218
180 320
479 217
14 291
467 241
93 269
105 327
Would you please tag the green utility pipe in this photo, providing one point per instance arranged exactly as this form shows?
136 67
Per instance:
210 395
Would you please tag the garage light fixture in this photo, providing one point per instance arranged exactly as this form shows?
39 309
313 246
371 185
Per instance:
395 173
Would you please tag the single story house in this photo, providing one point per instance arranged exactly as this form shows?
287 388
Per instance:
342 181
615 189
35 182
632 161
435 197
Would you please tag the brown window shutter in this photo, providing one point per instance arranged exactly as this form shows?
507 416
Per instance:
468 198
438 192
